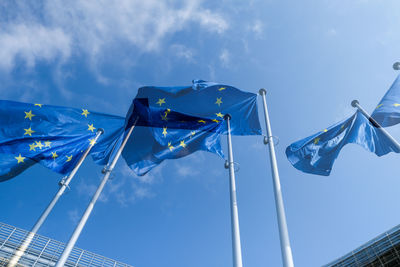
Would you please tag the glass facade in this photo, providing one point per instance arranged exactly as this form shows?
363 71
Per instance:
44 251
383 250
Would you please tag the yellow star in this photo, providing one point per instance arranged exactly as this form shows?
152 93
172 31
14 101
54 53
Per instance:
219 101
47 144
219 114
378 106
29 115
54 155
39 144
222 88
182 144
91 127
214 120
32 147
38 105
201 121
161 101
396 104
316 140
92 141
69 158
170 146
164 118
164 131
325 130
192 133
20 159
28 131
85 112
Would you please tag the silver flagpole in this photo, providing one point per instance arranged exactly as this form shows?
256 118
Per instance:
107 171
280 209
236 247
64 183
356 104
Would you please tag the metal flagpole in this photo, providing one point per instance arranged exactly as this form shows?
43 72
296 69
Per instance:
356 104
107 171
280 209
64 183
236 247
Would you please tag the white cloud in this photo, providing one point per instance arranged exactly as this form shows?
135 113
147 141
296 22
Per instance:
257 28
32 43
182 51
73 216
225 57
55 29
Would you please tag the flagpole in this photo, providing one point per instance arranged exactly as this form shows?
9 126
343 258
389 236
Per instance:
64 183
280 209
107 171
356 104
236 247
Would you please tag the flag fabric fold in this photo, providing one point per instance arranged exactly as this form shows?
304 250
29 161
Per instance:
208 100
177 121
55 137
317 153
387 112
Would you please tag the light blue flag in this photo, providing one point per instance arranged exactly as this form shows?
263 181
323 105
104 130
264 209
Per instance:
387 112
317 153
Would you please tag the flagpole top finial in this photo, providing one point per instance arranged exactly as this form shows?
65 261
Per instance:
396 66
227 117
354 103
262 91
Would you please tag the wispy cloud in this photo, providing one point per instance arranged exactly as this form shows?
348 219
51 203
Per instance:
73 216
55 29
32 43
225 57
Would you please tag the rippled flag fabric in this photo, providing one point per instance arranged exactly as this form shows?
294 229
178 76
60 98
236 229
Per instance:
317 153
208 100
387 112
162 133
53 136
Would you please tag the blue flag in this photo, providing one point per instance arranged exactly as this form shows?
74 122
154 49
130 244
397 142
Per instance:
208 100
387 113
317 153
181 120
55 137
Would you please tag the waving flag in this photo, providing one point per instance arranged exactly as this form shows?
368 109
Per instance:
53 136
177 121
317 153
387 113
208 100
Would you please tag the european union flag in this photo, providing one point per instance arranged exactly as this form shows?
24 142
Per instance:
317 153
208 100
387 113
55 137
162 133
181 120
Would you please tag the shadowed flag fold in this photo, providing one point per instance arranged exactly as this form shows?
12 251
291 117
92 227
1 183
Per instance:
317 153
55 137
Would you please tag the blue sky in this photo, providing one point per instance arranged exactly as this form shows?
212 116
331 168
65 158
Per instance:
313 57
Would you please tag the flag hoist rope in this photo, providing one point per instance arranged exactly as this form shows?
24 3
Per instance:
286 249
356 104
64 184
236 247
107 171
